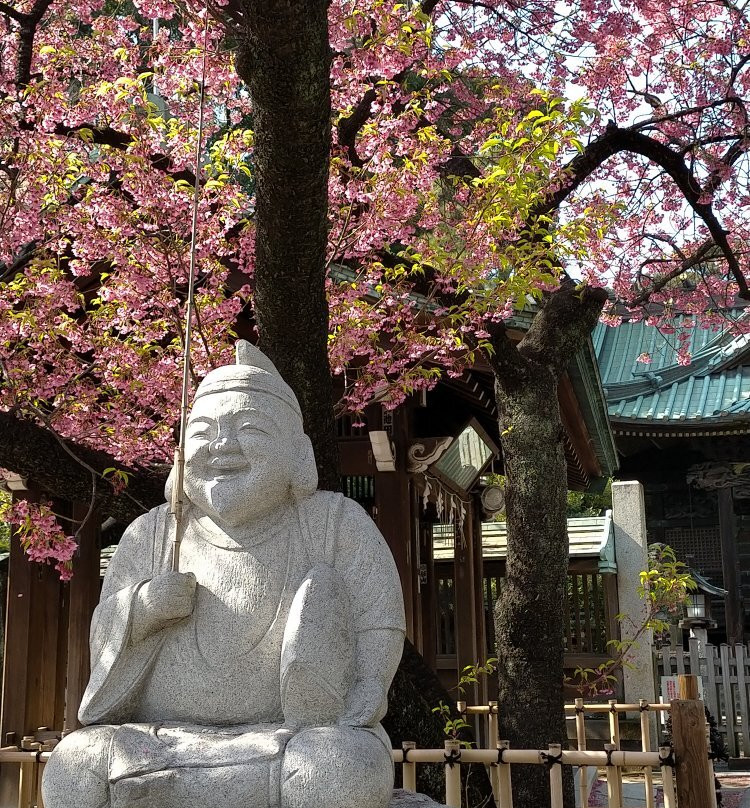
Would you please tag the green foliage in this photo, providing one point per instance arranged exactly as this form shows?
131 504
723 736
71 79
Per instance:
452 726
665 588
582 504
470 675
4 526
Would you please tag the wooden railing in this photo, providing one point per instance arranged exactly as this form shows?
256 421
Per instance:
685 771
453 757
695 779
554 757
580 710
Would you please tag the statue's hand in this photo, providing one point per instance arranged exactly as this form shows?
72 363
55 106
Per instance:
160 602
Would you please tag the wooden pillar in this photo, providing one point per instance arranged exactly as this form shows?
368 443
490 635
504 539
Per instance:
31 675
83 594
32 678
16 651
393 515
465 585
428 596
416 549
730 566
695 782
15 664
43 699
483 652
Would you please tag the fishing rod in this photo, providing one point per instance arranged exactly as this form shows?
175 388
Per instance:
177 504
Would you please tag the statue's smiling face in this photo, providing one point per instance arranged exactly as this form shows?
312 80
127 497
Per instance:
238 463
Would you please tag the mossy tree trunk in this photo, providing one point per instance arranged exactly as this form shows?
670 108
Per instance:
529 624
284 57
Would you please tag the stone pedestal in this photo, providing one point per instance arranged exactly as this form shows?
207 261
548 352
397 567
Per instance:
631 550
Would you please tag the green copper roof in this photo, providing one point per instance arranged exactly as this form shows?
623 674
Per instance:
712 392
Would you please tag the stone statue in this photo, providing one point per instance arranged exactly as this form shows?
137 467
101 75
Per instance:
257 675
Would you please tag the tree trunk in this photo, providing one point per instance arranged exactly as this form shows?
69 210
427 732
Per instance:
529 623
285 57
529 618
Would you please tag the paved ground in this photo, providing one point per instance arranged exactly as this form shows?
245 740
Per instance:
735 787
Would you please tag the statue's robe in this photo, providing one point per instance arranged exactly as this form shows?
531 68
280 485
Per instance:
208 690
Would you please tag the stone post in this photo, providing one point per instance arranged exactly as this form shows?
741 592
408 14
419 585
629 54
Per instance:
631 552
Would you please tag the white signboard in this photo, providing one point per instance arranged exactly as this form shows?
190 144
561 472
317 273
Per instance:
670 689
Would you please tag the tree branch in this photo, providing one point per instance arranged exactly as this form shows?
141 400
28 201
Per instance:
688 262
616 140
13 13
349 127
64 469
562 325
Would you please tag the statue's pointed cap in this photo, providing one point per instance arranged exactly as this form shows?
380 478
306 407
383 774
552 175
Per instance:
249 354
253 372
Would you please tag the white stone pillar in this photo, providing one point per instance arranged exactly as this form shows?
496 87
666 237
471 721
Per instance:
631 552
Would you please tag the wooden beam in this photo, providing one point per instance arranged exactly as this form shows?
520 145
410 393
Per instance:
16 653
478 573
465 586
575 426
393 515
44 625
83 596
695 779
730 566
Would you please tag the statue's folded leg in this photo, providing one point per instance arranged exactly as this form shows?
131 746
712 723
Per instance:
337 767
317 654
77 772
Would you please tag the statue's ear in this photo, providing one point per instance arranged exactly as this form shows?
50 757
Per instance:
305 472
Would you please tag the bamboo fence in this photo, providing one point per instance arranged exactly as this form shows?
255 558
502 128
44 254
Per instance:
497 756
580 710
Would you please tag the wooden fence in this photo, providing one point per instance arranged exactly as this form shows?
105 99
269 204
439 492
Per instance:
725 675
694 776
502 759
686 773
581 711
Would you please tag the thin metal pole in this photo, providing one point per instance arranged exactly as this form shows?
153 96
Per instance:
178 502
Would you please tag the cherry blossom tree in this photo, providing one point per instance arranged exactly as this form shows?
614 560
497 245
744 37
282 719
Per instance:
388 184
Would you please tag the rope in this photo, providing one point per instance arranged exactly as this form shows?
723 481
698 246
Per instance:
667 760
609 756
452 757
501 755
551 760
179 456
